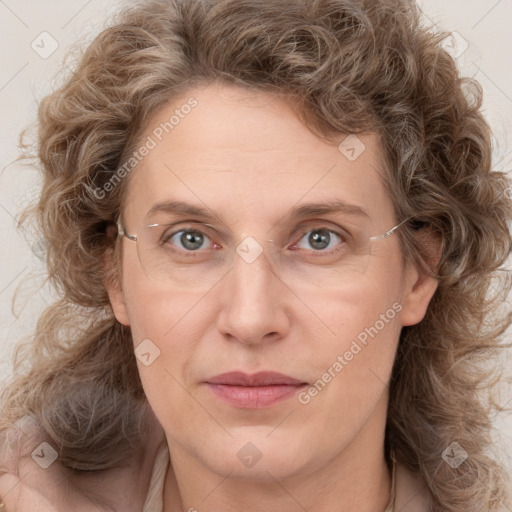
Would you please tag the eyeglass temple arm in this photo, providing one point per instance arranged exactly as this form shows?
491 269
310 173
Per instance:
391 231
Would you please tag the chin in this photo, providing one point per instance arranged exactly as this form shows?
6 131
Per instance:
254 455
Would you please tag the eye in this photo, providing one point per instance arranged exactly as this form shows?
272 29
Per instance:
188 240
320 239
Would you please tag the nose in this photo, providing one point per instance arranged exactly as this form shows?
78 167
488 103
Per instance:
253 310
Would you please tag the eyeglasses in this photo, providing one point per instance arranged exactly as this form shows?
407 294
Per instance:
336 253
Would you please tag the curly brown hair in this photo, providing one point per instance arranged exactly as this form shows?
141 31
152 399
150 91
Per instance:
352 66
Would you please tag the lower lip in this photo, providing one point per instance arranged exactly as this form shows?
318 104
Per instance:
254 397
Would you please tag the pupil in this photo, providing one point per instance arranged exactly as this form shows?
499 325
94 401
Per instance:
191 240
320 236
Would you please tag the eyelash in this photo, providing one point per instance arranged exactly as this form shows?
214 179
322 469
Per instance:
316 253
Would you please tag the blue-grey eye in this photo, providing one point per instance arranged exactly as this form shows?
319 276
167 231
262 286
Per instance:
319 239
190 240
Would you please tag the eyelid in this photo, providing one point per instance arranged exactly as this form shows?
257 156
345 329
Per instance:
318 224
186 226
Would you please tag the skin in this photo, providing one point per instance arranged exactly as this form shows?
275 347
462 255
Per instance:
249 159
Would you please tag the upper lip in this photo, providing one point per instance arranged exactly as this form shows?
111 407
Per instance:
256 379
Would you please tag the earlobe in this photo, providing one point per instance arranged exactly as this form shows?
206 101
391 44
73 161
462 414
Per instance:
114 289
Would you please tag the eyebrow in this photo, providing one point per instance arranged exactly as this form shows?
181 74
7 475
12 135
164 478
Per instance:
299 211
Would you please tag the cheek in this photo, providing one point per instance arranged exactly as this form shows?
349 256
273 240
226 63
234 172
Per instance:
364 327
165 344
169 322
152 310
353 361
168 318
349 311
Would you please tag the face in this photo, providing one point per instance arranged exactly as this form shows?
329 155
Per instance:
319 307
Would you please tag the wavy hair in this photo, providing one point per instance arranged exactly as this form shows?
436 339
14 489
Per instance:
352 66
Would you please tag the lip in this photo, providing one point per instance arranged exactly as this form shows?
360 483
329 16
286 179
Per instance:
256 391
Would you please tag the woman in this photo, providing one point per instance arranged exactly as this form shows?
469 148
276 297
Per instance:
274 227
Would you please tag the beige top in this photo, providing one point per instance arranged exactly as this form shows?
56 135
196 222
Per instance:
154 499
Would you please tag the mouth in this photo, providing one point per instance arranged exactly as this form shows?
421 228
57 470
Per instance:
256 391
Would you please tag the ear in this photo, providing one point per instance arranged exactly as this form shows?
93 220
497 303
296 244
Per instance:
419 287
113 285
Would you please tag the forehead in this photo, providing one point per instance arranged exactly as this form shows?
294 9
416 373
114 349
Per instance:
247 155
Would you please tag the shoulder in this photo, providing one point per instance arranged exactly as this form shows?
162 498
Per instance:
20 483
411 492
26 486
29 483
